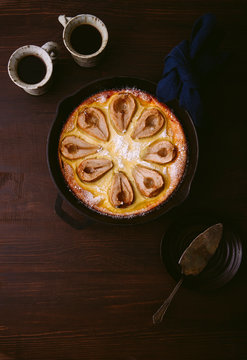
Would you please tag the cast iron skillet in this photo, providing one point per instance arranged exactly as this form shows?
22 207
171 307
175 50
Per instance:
71 102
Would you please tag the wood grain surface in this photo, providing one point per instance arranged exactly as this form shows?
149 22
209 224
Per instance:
69 294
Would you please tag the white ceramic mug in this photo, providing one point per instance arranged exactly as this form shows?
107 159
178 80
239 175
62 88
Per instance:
47 53
70 23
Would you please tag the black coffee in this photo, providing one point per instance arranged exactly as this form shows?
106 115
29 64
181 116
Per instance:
85 39
31 69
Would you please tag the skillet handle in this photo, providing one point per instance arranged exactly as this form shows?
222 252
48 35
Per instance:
76 224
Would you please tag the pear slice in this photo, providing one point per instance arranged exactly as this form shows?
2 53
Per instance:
149 182
149 123
121 111
93 169
160 152
72 147
92 121
121 192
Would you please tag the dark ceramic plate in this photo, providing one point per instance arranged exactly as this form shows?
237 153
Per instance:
221 268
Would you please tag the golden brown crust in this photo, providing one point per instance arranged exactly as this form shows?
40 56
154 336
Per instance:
126 153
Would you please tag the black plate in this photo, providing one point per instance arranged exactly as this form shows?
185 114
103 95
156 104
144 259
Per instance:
70 103
221 268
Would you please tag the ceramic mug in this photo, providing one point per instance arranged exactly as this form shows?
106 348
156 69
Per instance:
46 53
70 24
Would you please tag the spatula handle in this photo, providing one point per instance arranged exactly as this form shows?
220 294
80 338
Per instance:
158 316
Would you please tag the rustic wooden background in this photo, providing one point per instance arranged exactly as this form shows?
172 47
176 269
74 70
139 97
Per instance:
68 294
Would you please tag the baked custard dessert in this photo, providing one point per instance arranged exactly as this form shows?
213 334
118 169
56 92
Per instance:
122 152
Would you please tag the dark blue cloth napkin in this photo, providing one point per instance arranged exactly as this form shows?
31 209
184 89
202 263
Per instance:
190 66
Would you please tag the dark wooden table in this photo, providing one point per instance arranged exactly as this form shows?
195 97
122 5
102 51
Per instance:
90 294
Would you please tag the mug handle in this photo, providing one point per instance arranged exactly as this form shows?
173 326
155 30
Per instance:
64 19
52 48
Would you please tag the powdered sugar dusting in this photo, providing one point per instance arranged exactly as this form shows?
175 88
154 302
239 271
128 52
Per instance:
101 98
91 199
124 150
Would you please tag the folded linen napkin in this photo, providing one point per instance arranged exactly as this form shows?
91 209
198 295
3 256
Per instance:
190 66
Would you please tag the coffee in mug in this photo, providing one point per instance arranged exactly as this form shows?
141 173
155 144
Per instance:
86 39
31 67
85 36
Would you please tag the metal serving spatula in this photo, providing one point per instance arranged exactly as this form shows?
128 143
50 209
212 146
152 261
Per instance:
193 260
